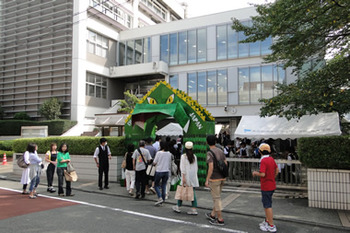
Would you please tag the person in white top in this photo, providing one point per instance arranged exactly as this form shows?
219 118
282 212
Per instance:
25 180
189 169
34 170
163 162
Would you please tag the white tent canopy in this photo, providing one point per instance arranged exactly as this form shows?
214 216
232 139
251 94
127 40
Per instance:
171 129
275 127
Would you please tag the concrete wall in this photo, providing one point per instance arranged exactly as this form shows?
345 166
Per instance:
85 167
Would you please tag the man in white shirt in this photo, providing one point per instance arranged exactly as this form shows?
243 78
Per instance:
103 154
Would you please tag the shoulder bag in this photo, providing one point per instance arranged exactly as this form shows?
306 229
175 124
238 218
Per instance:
220 164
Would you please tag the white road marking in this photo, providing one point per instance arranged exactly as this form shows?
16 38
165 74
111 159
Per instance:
138 213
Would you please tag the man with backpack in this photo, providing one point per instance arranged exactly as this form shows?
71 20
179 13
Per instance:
216 176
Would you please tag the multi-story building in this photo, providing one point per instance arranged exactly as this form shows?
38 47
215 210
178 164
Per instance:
87 53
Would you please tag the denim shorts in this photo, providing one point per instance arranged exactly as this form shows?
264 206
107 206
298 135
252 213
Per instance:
266 198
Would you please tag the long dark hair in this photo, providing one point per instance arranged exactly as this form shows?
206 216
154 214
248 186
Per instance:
190 155
31 147
131 149
60 150
164 146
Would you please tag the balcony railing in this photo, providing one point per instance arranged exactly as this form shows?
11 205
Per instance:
155 8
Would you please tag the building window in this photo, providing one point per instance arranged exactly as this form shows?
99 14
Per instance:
259 82
174 81
164 48
222 87
96 86
97 44
134 51
221 42
184 47
208 87
228 46
173 49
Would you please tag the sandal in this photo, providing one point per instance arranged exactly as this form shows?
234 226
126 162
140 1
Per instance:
32 197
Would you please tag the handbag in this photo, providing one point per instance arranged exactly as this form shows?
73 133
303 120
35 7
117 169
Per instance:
70 167
151 170
124 162
184 193
71 176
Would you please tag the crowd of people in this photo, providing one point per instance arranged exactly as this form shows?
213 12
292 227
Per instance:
170 160
54 160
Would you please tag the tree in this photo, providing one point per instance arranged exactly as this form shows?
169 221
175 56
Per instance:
51 109
129 103
22 116
304 31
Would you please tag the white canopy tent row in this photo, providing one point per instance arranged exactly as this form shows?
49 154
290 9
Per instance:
325 124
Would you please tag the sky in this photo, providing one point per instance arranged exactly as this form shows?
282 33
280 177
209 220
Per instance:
205 7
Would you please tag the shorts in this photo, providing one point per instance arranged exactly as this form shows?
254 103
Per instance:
266 198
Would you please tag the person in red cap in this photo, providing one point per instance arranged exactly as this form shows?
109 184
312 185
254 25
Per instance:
267 173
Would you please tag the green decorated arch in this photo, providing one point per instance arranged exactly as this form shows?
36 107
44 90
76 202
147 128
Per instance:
161 102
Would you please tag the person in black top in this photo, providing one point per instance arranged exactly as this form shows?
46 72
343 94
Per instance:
103 154
129 170
51 158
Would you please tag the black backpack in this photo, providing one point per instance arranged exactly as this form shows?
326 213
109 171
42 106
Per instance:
220 164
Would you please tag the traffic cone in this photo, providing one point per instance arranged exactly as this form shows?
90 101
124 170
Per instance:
4 160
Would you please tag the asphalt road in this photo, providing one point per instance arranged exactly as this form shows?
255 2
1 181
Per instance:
97 213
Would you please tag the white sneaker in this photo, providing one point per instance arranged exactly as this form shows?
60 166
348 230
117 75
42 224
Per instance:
192 212
166 196
268 228
152 190
176 209
263 223
159 202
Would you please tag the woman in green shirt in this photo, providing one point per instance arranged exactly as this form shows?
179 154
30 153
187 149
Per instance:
63 159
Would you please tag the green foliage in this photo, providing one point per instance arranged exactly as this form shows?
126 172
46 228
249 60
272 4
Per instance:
22 116
320 91
128 103
6 145
77 145
56 127
8 154
331 152
305 30
51 109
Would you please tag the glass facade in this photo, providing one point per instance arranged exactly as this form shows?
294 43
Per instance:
134 51
96 86
258 82
185 47
174 81
208 87
227 46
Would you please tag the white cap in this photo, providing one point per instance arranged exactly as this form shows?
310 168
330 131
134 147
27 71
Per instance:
189 145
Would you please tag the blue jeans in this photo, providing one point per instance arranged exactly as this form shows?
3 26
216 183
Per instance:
161 176
34 183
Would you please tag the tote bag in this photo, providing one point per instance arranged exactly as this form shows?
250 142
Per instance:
184 193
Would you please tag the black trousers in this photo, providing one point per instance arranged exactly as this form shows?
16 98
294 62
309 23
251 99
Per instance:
103 169
50 174
140 181
60 174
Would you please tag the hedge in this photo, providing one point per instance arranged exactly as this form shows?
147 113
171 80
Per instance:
56 127
6 145
331 152
8 154
77 145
